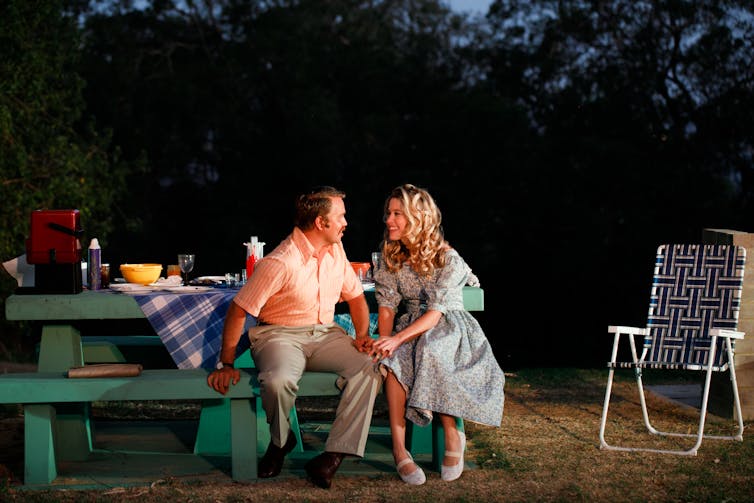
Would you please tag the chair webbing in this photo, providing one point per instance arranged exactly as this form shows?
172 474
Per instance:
694 288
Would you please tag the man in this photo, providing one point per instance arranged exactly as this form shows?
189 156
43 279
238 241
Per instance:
292 293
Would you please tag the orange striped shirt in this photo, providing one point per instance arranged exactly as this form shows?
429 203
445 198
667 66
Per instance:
290 287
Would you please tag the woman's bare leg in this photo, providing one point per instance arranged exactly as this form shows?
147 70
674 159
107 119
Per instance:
396 402
452 439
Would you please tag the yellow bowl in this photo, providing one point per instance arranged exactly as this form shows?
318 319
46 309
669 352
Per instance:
142 274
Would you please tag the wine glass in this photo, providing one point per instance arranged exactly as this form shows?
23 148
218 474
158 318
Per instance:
375 260
186 263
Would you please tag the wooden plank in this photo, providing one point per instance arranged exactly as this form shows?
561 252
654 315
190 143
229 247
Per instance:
473 298
721 392
87 305
105 305
161 384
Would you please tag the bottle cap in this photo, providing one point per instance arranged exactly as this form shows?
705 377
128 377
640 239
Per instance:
94 244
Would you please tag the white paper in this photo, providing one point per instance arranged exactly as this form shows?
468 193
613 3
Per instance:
22 271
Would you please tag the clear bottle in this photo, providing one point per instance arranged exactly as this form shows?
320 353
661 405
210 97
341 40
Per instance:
94 260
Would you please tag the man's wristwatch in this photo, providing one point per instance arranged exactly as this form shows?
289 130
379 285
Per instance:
222 365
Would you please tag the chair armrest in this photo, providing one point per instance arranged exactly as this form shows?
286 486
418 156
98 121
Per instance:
619 329
723 332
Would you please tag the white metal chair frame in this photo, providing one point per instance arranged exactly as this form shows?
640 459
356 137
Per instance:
702 339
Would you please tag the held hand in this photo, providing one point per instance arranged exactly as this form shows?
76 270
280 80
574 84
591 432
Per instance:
363 344
384 347
220 380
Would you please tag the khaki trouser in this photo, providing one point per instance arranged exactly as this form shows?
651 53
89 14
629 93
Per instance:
282 354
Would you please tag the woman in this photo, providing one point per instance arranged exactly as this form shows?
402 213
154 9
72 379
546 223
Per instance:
436 355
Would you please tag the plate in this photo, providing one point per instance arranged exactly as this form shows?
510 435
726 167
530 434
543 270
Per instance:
208 280
188 289
131 288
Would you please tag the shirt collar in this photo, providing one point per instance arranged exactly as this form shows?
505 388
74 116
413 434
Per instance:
304 246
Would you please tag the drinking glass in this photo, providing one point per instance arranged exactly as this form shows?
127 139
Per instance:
186 262
174 270
375 260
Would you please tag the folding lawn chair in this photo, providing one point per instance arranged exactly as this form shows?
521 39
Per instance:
693 316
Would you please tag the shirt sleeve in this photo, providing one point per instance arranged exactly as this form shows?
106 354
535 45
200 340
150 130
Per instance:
269 276
351 284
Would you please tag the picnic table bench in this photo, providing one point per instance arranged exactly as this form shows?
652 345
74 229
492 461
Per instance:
57 408
41 394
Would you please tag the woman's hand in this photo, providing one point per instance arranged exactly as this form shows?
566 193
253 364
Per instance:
384 347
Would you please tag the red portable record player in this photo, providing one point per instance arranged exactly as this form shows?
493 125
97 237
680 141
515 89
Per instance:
54 247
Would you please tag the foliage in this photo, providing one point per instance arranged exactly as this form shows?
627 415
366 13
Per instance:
643 109
51 156
572 135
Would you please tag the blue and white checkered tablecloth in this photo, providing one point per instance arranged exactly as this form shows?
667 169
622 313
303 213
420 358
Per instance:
190 325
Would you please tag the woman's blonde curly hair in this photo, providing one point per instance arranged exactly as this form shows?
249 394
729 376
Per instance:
423 244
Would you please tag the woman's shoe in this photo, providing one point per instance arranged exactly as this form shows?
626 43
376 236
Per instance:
449 473
415 478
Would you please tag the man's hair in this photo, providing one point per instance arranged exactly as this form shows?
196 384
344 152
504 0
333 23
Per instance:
313 204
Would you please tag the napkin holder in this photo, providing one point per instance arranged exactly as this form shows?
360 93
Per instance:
54 248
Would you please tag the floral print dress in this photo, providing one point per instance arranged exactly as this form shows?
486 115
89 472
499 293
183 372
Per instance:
450 368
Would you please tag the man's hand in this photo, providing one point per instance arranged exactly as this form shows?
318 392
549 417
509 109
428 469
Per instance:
363 344
220 380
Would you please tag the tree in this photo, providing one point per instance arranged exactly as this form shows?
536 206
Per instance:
644 116
51 156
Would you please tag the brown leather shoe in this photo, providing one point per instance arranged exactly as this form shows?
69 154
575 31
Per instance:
322 468
272 461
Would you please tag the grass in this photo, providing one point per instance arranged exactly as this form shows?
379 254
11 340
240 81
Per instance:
547 450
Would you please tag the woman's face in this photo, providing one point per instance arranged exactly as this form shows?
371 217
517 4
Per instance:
395 220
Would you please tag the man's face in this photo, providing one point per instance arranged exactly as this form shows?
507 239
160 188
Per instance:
336 221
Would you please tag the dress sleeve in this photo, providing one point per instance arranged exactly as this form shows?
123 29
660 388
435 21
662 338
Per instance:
386 287
448 288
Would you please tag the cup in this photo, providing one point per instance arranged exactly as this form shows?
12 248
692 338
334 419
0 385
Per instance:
105 275
232 280
174 270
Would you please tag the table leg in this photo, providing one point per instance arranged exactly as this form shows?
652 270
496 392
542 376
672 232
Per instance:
60 349
243 417
39 444
214 436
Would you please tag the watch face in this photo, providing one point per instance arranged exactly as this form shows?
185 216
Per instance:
219 366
